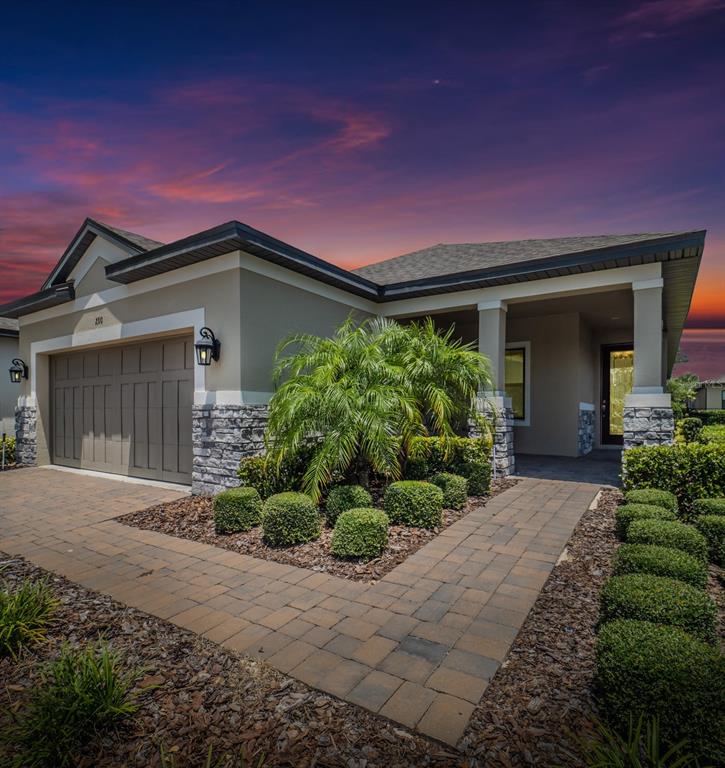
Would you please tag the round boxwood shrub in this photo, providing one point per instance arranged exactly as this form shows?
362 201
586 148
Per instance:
454 487
237 509
708 507
712 527
660 600
290 518
660 561
415 503
652 496
644 669
666 533
629 512
344 497
360 532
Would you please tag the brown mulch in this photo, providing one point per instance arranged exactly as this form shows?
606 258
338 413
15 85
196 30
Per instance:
192 518
206 696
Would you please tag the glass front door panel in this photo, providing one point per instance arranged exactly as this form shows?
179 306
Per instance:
621 377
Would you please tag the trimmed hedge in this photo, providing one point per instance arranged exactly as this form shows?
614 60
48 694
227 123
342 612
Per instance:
665 533
237 509
415 503
691 471
630 512
360 532
654 497
344 497
469 457
712 527
644 597
691 429
660 561
713 433
713 416
290 518
646 670
708 507
454 487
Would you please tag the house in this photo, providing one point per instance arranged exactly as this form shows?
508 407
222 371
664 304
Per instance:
8 391
710 395
582 333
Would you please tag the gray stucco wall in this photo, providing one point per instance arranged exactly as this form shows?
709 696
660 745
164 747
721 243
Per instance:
8 391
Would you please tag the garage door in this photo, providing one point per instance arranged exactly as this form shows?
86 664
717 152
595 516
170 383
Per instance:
125 409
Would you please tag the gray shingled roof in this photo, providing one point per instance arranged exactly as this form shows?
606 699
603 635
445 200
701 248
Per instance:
452 258
146 243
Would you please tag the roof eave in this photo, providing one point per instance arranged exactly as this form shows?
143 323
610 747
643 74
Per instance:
48 297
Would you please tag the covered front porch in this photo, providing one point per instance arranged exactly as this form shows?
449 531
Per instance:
573 371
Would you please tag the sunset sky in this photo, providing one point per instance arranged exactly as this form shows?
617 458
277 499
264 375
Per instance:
359 131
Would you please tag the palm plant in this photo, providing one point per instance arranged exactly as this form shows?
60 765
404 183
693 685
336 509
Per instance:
365 393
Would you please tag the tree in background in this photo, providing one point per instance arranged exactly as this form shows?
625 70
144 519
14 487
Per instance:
683 390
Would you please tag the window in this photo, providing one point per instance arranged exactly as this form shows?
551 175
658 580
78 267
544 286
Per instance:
516 377
722 398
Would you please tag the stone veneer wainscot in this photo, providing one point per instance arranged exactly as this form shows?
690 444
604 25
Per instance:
26 435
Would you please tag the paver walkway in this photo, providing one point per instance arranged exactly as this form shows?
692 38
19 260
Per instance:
419 646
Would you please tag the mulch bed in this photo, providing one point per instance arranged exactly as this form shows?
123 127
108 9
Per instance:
192 518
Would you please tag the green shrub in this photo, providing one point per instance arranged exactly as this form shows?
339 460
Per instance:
665 533
344 497
237 509
691 471
713 416
629 512
469 457
454 487
83 694
415 503
715 433
361 532
9 445
648 670
24 616
691 429
652 496
290 518
660 600
712 527
257 472
660 561
708 507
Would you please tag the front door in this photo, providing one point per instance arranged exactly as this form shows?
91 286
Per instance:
617 380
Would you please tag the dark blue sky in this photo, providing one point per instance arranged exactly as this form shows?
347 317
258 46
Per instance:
360 131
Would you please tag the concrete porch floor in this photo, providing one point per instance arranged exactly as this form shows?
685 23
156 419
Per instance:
601 467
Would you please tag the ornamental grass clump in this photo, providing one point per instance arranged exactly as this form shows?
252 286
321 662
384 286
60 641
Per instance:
344 497
712 527
653 496
660 600
24 616
661 671
666 533
237 509
414 503
361 532
83 694
708 507
454 487
290 518
660 561
630 512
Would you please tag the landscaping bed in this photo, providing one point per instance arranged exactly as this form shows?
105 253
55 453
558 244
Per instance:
193 518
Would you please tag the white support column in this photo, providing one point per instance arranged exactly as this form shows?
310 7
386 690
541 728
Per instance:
492 340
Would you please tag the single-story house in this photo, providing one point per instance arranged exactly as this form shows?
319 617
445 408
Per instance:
582 333
8 391
710 395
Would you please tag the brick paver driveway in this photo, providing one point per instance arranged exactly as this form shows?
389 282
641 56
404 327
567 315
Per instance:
419 646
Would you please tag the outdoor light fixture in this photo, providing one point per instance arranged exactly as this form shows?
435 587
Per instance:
18 371
207 347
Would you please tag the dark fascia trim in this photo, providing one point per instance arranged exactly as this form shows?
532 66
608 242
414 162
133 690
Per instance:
80 243
48 297
9 333
237 236
593 259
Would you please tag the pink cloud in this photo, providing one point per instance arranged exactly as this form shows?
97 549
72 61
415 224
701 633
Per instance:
660 18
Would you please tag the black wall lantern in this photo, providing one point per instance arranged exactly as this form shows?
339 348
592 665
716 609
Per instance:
18 371
207 347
